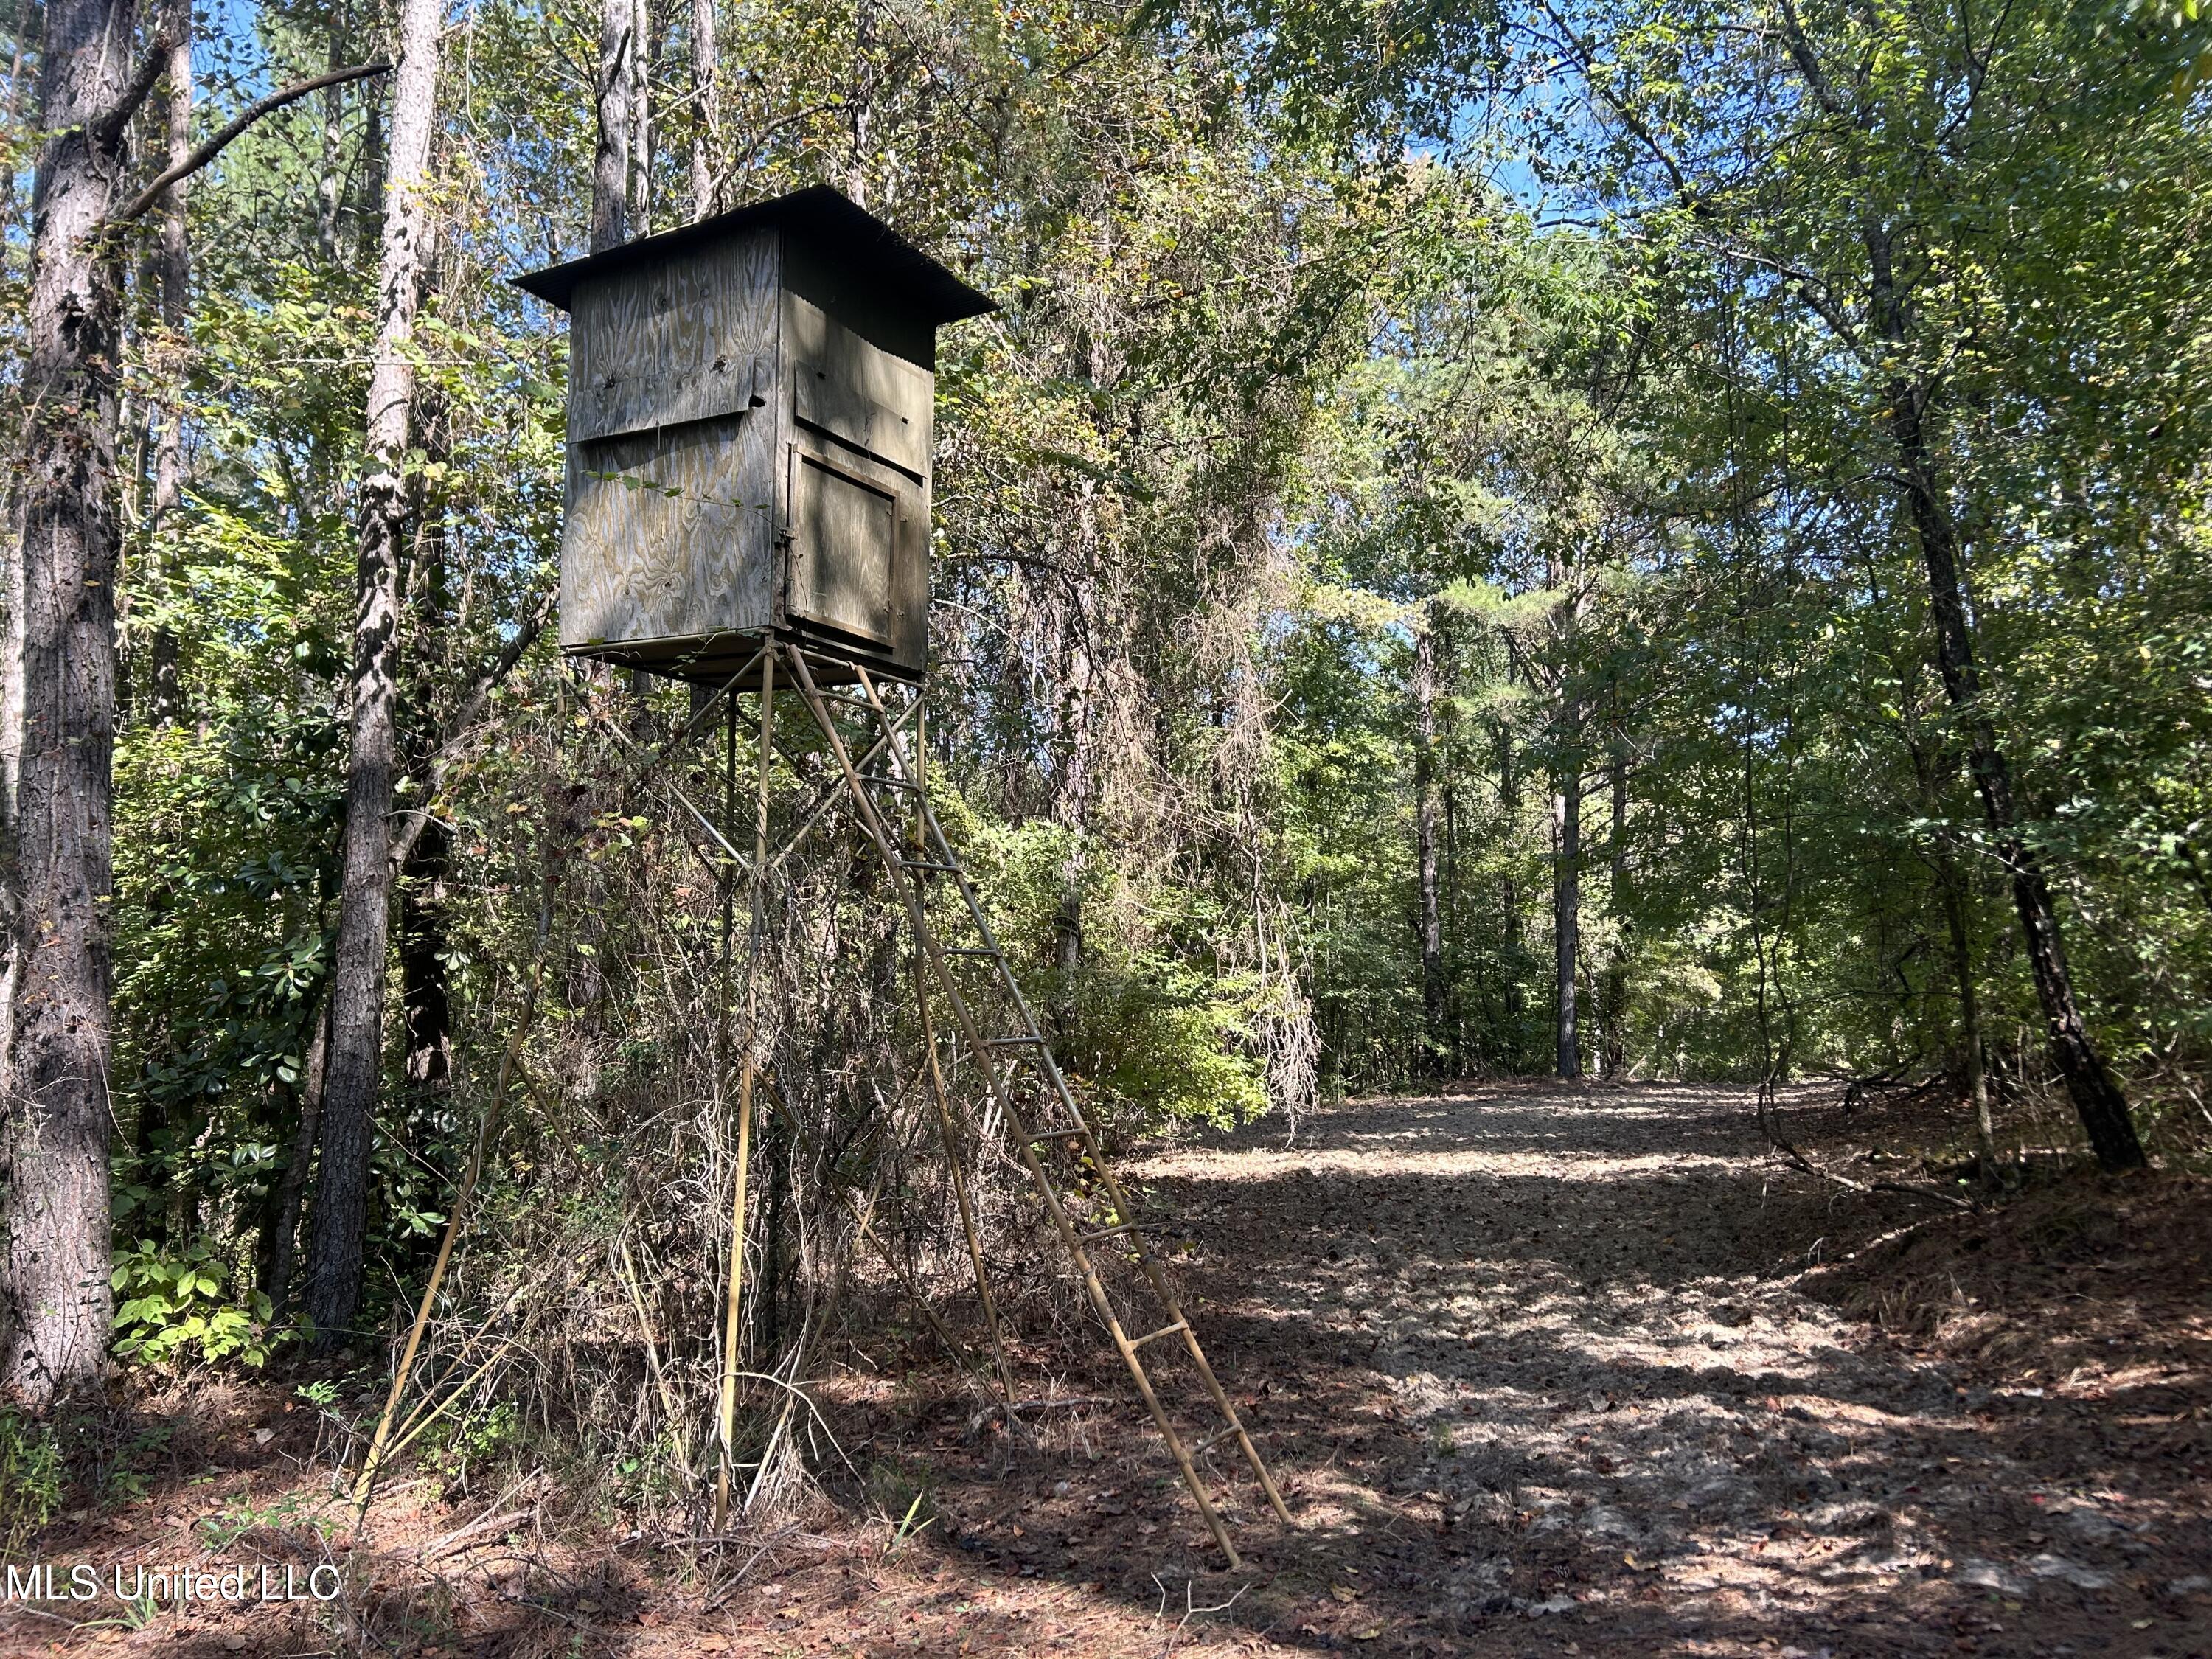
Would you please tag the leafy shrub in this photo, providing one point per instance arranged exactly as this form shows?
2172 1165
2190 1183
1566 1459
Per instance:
456 1444
1165 1049
1160 1038
169 1304
31 1478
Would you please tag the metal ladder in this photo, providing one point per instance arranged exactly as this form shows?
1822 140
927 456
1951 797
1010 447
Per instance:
932 854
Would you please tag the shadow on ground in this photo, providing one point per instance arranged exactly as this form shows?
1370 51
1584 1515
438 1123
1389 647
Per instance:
1544 1370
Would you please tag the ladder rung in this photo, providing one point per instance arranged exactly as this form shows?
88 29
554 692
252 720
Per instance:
1012 1041
894 783
1164 1330
970 951
1064 1132
924 864
1213 1440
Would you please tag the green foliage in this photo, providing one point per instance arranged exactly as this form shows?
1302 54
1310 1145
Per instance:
1159 1041
1393 418
468 1437
33 1477
323 1513
171 1306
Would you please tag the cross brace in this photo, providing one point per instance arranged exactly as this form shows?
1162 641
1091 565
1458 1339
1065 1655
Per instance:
932 854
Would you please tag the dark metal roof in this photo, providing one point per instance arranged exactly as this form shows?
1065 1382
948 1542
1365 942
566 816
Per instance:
840 231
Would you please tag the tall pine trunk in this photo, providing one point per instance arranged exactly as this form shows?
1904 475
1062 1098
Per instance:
1431 918
337 1237
56 862
1614 997
1567 911
706 111
1509 893
2097 1097
173 275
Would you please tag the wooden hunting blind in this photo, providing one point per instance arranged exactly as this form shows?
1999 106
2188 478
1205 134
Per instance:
749 423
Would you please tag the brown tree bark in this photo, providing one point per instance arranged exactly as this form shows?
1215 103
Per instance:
706 111
172 274
338 1233
1430 919
2098 1100
1615 996
1567 911
56 872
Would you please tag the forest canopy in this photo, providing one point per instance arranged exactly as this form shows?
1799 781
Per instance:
1593 539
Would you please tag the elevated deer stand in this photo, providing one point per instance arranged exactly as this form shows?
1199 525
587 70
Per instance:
749 413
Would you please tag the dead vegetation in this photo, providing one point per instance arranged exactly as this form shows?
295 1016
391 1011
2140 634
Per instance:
1544 1369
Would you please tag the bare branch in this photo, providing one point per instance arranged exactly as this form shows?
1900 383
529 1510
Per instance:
222 139
109 122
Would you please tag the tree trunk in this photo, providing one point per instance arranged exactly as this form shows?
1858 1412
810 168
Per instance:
329 180
1951 888
1455 1005
706 111
368 193
1952 882
425 999
640 65
1567 908
1425 850
859 103
57 871
2096 1094
1615 994
279 1236
1074 770
425 855
1509 890
357 1044
610 157
173 271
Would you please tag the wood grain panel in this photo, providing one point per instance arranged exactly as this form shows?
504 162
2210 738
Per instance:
668 535
844 533
689 340
859 393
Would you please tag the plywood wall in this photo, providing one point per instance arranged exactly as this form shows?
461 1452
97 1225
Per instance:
670 532
701 390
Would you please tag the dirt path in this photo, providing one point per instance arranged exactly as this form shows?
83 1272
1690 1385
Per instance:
1584 1393
1545 1371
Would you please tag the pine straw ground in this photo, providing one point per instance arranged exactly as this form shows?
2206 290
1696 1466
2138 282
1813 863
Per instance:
1545 1371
